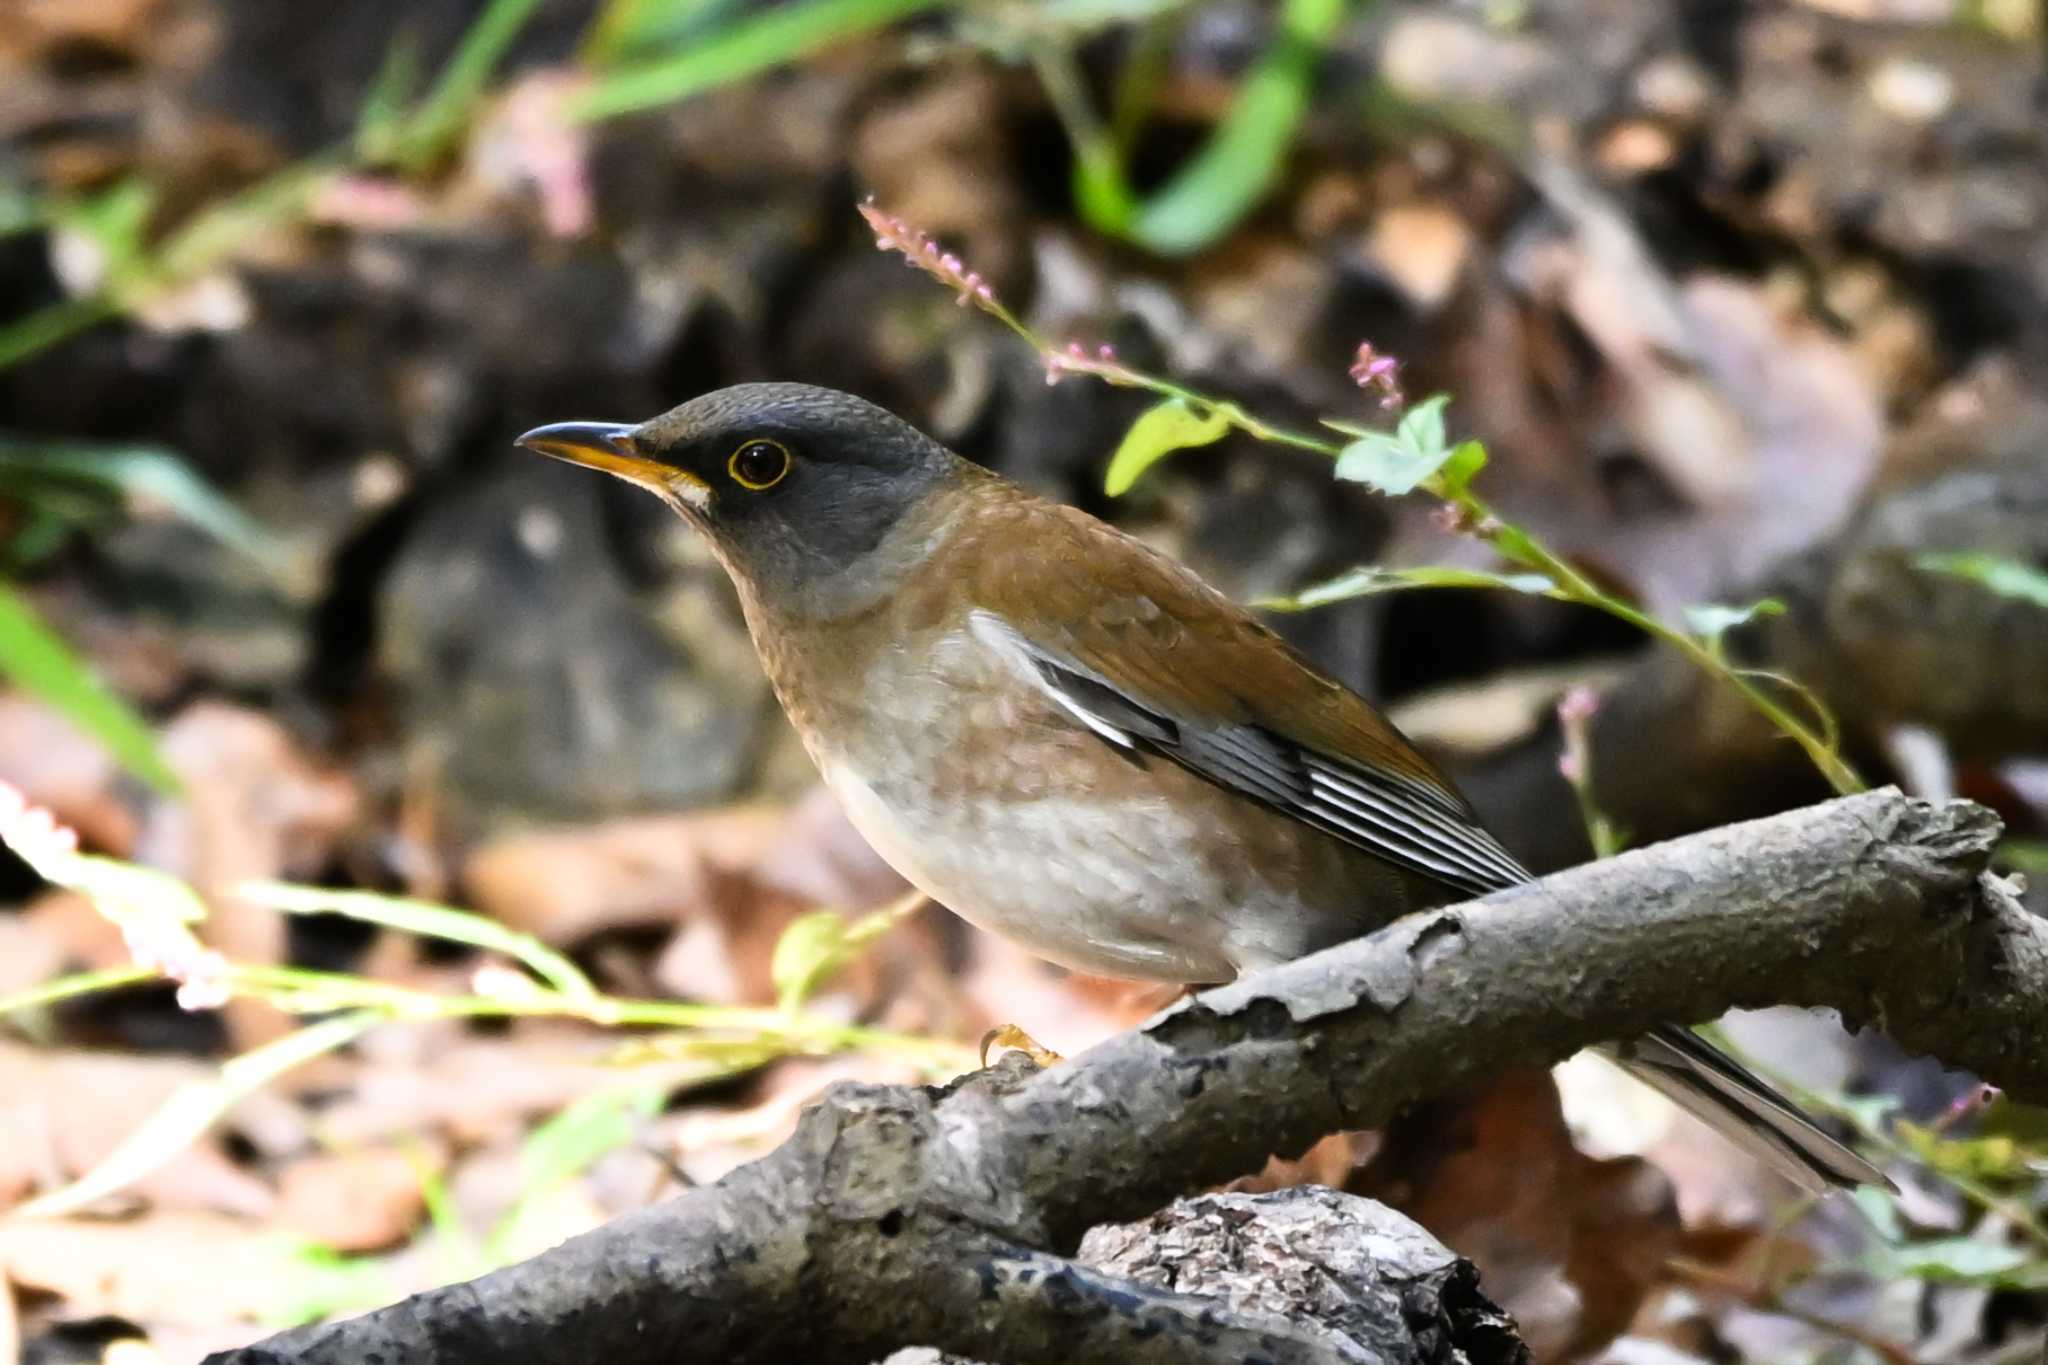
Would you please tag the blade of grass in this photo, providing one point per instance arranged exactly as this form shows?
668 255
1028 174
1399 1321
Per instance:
428 133
139 473
740 49
430 921
1243 158
195 1107
67 987
39 661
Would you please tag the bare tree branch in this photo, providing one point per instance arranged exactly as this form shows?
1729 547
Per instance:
902 1216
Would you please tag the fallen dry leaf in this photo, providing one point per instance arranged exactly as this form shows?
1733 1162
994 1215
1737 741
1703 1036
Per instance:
565 885
1568 1244
178 1267
362 1200
57 765
61 1113
255 808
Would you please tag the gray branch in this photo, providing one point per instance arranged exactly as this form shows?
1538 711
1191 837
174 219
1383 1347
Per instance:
900 1216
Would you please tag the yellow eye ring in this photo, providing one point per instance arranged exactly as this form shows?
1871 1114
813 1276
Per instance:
759 464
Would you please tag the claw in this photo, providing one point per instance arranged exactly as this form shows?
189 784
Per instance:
1010 1036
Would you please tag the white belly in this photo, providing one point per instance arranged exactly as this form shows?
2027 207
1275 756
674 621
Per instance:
1128 897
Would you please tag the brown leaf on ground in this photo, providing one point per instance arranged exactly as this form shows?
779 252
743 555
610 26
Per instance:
565 885
434 1078
10 1323
1568 1244
85 938
363 1200
58 766
61 1113
179 1268
29 955
255 807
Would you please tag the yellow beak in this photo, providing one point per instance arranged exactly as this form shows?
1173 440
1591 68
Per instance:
598 445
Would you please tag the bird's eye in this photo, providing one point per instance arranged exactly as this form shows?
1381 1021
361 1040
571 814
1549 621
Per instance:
758 465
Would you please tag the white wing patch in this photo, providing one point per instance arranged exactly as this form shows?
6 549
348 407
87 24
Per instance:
1392 816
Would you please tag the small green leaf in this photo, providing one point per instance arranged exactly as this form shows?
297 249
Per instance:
1396 464
2006 577
1369 579
1882 1211
1164 428
2024 855
1711 620
812 948
40 662
1467 459
1948 1259
1386 463
1422 426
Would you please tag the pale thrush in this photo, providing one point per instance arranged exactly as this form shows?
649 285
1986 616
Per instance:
1070 739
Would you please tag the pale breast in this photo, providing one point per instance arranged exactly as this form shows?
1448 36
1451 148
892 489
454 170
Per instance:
988 797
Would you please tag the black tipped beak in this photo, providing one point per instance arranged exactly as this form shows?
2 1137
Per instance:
597 445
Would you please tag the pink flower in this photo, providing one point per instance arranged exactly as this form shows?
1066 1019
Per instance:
1374 370
1578 706
895 234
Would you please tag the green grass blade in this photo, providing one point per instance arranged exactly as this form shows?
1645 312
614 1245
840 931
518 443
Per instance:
448 106
195 1107
1243 158
70 987
428 920
39 662
137 473
2005 577
741 49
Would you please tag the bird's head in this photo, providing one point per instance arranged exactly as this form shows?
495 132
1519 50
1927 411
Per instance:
793 484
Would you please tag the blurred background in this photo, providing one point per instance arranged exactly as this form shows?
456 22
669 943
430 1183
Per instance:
1747 300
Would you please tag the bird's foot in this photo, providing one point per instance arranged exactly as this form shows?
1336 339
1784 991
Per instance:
1010 1036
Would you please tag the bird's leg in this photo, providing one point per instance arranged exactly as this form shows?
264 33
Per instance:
1010 1036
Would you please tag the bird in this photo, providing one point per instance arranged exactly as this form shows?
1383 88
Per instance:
1068 738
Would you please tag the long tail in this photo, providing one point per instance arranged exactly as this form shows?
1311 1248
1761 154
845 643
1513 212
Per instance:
1709 1084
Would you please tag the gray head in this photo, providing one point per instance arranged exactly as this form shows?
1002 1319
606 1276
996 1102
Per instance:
792 483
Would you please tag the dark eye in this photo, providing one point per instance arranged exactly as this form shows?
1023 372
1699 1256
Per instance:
758 465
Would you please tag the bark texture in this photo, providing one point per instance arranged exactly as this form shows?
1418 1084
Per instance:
944 1217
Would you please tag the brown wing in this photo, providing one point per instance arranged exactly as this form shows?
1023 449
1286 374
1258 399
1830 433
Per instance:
1154 660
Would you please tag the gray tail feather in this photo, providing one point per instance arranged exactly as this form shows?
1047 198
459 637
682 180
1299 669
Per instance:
1709 1084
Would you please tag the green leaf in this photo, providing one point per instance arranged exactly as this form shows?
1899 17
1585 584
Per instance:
1397 463
322 1283
2006 577
1243 158
2024 855
422 138
1882 1211
763 38
1422 426
1710 621
1948 1259
41 663
195 1107
1467 459
140 476
1161 430
811 949
1369 579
